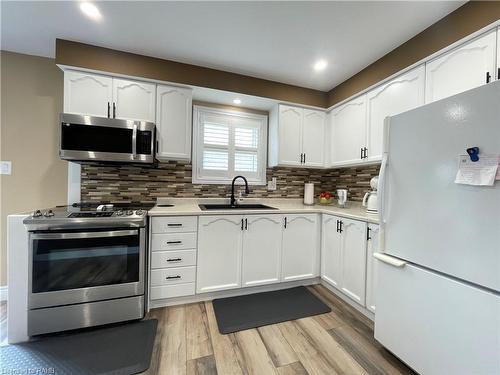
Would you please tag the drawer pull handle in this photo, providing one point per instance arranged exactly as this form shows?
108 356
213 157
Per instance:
174 259
174 225
174 242
172 277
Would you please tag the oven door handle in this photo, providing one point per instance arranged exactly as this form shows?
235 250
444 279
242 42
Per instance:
112 233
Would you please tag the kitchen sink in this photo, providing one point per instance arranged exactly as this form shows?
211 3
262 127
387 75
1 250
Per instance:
249 206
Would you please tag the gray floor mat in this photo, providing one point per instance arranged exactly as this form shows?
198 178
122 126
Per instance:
119 350
254 310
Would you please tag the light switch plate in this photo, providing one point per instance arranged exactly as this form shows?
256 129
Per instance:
5 167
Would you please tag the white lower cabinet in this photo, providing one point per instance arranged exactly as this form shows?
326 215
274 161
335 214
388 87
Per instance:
344 256
331 268
219 252
172 257
371 265
300 247
262 249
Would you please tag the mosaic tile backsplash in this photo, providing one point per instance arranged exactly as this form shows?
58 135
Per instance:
130 183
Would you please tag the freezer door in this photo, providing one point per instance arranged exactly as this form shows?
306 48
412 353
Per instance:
435 324
426 218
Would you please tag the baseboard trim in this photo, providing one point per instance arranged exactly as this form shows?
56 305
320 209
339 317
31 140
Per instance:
154 304
349 301
4 293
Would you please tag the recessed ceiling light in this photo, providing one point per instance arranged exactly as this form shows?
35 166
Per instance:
90 10
237 101
320 65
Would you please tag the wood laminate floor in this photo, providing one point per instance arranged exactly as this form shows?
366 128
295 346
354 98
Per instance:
340 342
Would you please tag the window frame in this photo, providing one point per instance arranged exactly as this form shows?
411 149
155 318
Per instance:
198 146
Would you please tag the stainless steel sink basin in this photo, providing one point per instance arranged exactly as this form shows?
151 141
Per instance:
249 206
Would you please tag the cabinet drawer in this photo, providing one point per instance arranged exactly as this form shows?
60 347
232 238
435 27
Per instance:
177 275
174 224
173 241
166 259
170 291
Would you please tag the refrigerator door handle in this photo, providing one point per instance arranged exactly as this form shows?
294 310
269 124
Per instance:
381 188
395 262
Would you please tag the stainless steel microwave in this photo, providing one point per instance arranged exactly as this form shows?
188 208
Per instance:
89 138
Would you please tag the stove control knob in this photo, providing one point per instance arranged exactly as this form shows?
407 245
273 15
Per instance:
119 213
130 212
37 213
139 212
48 213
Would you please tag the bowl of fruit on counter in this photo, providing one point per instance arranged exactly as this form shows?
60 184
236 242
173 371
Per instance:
325 197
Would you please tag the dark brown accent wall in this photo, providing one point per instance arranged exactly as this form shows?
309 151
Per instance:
109 60
464 21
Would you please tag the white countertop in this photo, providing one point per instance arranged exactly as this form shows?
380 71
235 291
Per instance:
189 206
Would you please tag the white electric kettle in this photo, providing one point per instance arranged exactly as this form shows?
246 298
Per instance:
370 198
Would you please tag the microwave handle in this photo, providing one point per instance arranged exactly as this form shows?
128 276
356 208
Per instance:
134 141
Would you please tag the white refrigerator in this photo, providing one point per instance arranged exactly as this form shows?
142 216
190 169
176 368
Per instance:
438 287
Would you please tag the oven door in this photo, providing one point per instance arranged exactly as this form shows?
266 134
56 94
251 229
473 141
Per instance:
77 267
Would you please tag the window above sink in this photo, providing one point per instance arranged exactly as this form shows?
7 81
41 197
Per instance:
228 143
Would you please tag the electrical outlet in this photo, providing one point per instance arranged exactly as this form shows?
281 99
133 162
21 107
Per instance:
5 167
271 185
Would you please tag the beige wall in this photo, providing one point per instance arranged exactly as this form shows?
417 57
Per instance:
31 100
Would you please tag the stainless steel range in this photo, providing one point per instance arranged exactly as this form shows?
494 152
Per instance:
86 266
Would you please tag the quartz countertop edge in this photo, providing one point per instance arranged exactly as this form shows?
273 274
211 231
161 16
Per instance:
189 207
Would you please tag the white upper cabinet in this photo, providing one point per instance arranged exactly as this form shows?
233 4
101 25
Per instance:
353 238
300 247
461 69
87 94
401 94
313 138
104 96
331 261
290 135
348 132
134 100
219 253
371 265
262 249
173 122
296 137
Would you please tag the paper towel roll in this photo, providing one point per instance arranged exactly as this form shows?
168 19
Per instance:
309 193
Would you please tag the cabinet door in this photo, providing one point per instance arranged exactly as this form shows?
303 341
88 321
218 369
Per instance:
461 69
300 247
399 95
331 263
219 253
348 132
353 256
262 249
134 100
371 265
87 94
173 116
313 138
290 135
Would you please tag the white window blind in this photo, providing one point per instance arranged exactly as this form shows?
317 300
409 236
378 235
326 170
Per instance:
228 143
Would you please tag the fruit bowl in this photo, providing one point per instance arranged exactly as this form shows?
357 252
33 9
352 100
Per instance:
325 198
